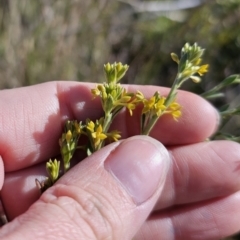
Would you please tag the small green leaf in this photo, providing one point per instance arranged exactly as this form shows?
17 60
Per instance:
233 79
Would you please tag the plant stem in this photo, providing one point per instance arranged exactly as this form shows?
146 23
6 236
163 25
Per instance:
106 124
150 125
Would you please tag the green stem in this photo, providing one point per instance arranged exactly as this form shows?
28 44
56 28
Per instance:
173 90
106 124
66 167
150 125
171 96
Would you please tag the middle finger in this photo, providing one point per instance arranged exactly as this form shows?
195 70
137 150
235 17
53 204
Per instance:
201 171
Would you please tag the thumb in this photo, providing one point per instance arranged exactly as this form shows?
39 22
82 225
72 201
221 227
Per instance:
107 196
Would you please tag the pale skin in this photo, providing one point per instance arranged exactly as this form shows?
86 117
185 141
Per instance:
196 197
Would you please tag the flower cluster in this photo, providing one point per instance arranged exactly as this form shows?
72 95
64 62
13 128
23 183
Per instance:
96 132
53 170
114 98
69 141
189 63
154 108
97 135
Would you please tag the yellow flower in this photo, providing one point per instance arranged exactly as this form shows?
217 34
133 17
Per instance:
114 72
77 127
176 114
125 99
98 135
148 104
103 91
198 61
139 96
53 169
203 69
90 126
175 110
159 106
107 67
100 91
95 92
68 136
156 104
114 135
131 106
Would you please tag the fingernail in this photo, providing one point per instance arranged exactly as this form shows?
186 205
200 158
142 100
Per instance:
140 165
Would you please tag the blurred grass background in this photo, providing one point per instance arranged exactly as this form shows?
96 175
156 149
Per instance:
72 39
52 40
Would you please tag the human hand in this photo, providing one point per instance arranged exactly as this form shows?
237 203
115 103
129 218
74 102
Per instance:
132 188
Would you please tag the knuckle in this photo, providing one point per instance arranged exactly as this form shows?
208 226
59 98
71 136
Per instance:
92 213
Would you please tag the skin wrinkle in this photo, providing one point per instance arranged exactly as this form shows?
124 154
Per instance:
208 171
196 214
216 227
182 173
172 195
180 197
63 105
55 229
168 226
220 160
19 151
219 157
30 124
205 172
72 217
31 113
173 178
175 231
88 208
26 125
111 218
211 228
197 158
57 202
101 155
172 230
164 226
45 134
4 150
19 110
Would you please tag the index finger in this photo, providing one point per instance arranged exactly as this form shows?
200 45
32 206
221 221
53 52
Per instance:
33 117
